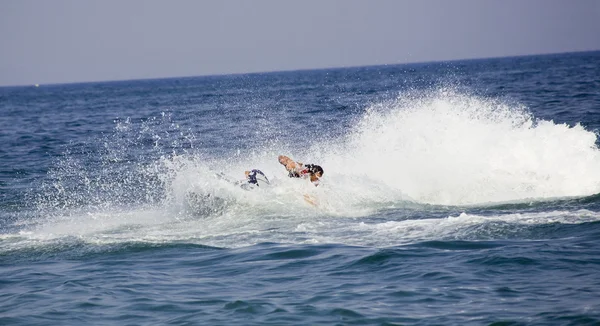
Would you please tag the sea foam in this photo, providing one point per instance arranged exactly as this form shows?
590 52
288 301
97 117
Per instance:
454 149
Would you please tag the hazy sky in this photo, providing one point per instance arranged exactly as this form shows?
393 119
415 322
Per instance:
61 41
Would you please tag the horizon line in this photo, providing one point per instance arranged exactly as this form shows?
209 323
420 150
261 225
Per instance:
296 70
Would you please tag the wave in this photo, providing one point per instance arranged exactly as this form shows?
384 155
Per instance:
439 148
397 176
447 148
98 233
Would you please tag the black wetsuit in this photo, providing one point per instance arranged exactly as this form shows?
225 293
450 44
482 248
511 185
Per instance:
252 177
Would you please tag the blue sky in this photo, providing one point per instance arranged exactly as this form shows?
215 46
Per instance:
63 41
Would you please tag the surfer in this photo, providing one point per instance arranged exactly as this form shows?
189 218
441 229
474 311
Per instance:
254 178
304 171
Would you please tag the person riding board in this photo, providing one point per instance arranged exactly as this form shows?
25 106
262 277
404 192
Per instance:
254 178
304 171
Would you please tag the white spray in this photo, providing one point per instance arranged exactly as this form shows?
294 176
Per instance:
454 149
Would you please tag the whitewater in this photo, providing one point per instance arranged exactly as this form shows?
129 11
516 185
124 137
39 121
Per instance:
465 192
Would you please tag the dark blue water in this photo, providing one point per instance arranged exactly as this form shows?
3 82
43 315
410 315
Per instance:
456 193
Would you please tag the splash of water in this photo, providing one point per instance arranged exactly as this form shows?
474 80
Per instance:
443 148
454 149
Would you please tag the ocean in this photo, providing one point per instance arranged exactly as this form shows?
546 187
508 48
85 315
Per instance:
454 193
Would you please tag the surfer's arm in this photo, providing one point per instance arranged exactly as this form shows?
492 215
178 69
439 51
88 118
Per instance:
289 164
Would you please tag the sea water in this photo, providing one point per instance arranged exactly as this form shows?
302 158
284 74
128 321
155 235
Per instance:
454 193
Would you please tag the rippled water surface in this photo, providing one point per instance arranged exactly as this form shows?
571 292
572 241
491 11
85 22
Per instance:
456 193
